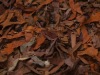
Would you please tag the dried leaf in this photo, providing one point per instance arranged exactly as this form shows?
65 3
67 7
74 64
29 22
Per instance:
95 17
66 14
74 49
69 62
39 41
50 35
85 34
27 2
83 69
29 33
10 15
83 60
15 62
3 71
20 34
38 30
10 47
38 61
96 5
64 39
56 68
63 48
6 3
3 16
75 8
68 23
2 9
91 51
73 39
78 8
44 3
28 44
32 69
72 16
52 59
61 1
96 41
80 18
72 5
50 47
57 16
3 58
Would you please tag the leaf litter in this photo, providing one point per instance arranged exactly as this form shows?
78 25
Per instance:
49 37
